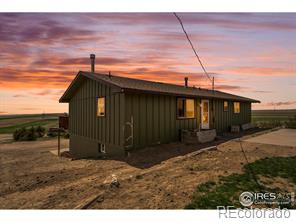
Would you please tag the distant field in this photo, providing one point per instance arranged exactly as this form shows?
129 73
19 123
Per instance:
21 116
9 123
274 118
46 123
273 115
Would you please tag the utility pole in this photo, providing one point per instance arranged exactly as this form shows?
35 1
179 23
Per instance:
213 84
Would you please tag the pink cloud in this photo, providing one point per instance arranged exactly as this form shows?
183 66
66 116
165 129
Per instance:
271 21
263 71
287 103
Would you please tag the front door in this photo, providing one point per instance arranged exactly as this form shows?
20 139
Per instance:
205 114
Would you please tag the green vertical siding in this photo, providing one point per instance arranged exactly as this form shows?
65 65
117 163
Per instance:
222 120
155 119
83 114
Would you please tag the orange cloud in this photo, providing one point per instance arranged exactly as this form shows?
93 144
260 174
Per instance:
263 71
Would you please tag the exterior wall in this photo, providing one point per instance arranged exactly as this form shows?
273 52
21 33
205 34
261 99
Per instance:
155 119
222 120
154 116
86 129
83 147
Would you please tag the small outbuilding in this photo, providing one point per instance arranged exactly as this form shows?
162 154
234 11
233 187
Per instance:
113 114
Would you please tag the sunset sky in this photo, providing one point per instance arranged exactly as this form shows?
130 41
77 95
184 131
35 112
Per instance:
252 55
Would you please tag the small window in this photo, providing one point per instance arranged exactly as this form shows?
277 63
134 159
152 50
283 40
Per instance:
225 106
101 106
236 107
185 108
189 108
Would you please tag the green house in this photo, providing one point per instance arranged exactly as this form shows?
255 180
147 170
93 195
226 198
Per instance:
113 115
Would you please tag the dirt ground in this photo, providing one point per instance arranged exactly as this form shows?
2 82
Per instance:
32 177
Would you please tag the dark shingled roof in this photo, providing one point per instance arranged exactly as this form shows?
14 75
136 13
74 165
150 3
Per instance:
125 84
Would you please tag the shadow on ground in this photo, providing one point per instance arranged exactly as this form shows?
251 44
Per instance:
150 156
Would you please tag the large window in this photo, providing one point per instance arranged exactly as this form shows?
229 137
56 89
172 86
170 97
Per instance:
185 108
225 106
236 107
101 106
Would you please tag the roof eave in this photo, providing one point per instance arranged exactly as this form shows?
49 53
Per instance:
66 97
89 75
63 98
188 95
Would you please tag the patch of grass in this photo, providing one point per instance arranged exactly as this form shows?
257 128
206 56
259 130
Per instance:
226 191
284 167
12 128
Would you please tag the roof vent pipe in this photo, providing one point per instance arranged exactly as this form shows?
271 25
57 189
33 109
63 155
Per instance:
186 81
92 59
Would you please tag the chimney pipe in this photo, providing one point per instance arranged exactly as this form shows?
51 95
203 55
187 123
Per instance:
186 81
92 59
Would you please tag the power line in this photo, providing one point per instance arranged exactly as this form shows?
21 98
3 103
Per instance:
211 80
199 60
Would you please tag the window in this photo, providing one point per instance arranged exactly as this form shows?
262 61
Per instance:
185 108
190 108
225 105
101 106
236 107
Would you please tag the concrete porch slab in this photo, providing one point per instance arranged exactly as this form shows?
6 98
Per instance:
282 137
